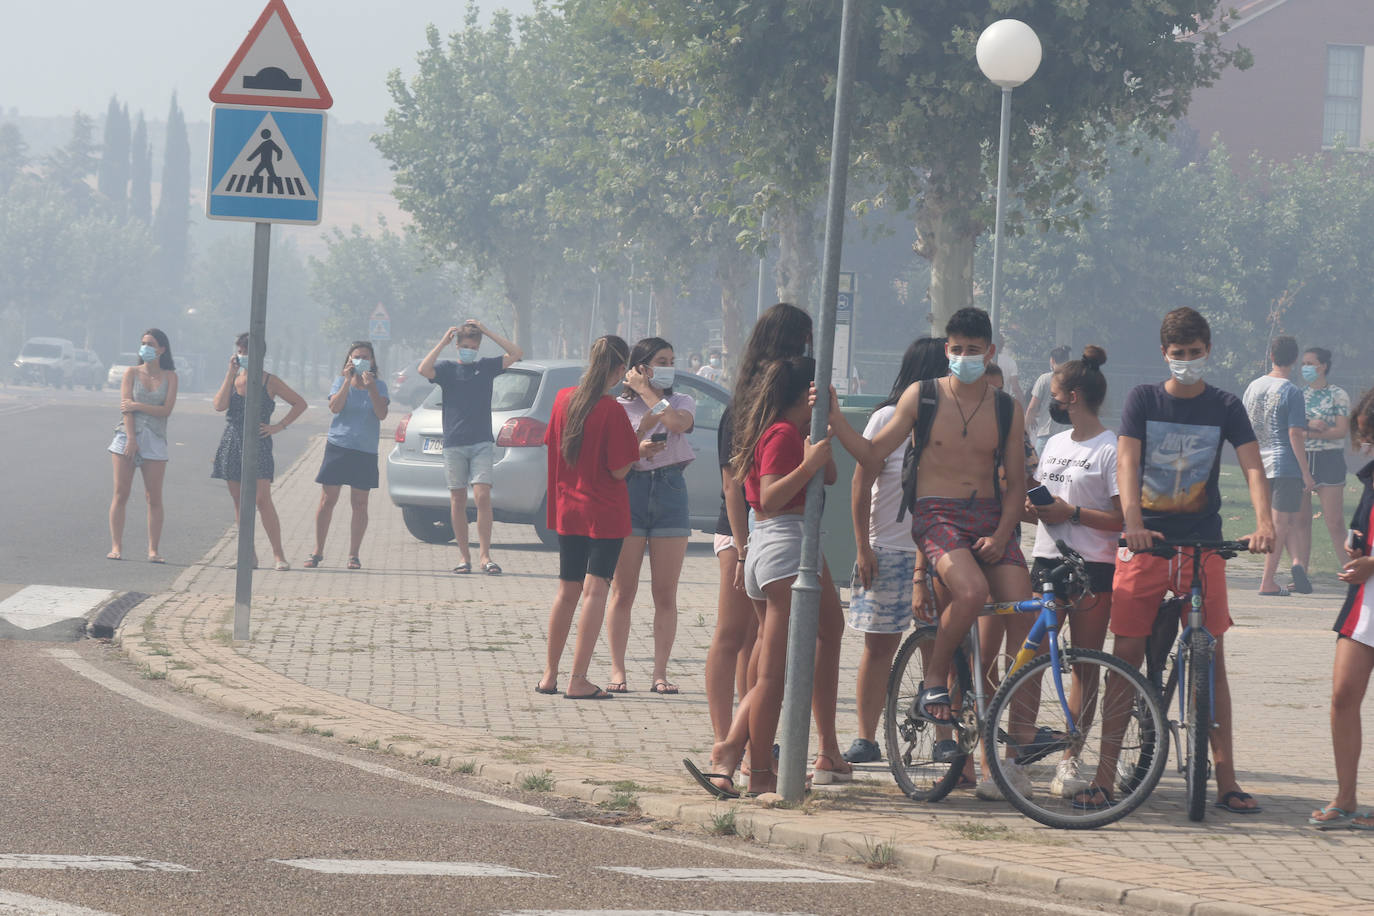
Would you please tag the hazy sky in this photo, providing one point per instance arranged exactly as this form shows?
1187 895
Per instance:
60 56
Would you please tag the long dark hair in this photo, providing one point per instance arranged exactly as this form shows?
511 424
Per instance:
781 332
165 360
640 355
609 357
372 354
924 358
782 384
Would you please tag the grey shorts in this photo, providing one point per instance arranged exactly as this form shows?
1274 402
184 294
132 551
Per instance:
774 553
1287 493
465 465
886 607
151 446
1327 466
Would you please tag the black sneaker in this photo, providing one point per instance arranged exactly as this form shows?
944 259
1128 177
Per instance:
862 751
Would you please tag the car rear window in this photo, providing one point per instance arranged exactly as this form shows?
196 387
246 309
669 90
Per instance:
514 389
42 350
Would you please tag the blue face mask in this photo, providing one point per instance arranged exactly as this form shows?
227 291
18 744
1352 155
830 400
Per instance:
967 369
147 353
360 364
467 355
663 376
1309 374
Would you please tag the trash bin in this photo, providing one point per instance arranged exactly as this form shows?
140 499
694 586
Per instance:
837 525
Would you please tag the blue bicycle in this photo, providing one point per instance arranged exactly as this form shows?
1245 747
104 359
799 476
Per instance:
1028 725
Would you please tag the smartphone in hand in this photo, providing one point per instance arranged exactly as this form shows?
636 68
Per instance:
1040 496
659 437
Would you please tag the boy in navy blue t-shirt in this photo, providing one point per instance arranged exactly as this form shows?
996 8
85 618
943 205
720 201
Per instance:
469 446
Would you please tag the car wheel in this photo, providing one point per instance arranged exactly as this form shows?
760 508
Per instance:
546 535
432 526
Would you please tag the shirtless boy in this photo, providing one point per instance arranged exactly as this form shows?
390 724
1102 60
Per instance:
958 523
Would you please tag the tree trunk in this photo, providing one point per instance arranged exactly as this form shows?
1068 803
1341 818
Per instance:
736 272
797 265
519 283
946 237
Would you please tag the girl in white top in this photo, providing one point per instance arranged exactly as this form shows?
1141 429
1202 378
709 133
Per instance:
1078 466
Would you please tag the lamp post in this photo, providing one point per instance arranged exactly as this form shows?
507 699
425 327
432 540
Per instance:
1008 54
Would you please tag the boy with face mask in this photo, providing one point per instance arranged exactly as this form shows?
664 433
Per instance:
1168 463
468 442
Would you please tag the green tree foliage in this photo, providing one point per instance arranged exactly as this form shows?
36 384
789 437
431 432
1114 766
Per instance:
171 222
112 175
141 174
14 156
67 169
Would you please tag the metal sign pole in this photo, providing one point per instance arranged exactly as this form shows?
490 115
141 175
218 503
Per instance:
793 733
252 416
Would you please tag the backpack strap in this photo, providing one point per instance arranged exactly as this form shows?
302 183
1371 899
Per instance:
927 405
1004 404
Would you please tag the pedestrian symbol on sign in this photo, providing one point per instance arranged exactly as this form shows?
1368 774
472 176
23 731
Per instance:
284 177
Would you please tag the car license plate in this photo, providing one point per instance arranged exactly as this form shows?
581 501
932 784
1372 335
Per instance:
432 446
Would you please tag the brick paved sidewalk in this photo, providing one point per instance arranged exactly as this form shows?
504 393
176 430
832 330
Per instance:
441 667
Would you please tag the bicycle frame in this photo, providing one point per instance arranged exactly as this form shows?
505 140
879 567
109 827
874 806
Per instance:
1194 625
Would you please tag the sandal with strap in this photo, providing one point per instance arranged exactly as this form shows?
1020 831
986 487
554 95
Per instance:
663 688
355 563
312 561
825 776
933 696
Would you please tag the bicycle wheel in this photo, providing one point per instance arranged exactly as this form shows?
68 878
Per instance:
1197 722
1119 741
911 740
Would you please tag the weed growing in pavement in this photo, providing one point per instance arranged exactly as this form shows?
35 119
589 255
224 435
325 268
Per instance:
620 801
264 730
373 745
537 782
148 674
353 741
876 855
432 761
404 738
223 637
180 666
322 732
724 824
162 650
467 767
968 830
302 711
701 620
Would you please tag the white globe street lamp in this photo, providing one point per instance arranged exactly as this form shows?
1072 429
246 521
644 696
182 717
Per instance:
1008 54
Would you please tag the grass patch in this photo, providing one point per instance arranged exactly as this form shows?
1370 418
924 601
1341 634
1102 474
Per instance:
1238 517
373 745
538 782
322 732
467 767
432 761
180 666
620 801
223 637
724 824
877 855
968 830
404 738
162 651
302 711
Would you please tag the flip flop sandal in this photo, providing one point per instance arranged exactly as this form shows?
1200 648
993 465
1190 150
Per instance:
1367 817
547 691
1335 819
704 780
598 695
663 688
617 687
355 563
462 569
282 566
1280 592
1097 799
313 561
1224 803
114 556
491 568
156 558
934 696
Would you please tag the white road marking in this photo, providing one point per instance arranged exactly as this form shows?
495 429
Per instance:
385 867
40 605
13 903
88 863
72 659
737 875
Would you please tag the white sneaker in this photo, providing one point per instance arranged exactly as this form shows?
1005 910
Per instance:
1066 782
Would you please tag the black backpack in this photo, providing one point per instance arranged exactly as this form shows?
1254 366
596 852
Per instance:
1003 403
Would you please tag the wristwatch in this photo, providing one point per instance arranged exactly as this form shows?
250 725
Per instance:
1077 517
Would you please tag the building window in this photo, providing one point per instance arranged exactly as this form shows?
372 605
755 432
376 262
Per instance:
1344 81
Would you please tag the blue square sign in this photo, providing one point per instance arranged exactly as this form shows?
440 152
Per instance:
266 165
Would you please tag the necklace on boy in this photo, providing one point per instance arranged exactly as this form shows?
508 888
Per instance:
960 407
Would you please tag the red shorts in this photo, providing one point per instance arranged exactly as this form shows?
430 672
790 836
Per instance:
1142 579
940 526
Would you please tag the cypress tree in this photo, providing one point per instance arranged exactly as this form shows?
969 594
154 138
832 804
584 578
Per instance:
171 222
141 174
112 177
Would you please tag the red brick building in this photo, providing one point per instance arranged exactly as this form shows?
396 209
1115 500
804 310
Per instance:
1312 84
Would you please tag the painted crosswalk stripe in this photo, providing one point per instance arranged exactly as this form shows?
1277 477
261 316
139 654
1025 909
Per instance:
88 863
384 867
736 875
13 903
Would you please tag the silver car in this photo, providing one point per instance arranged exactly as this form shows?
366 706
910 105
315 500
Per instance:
521 403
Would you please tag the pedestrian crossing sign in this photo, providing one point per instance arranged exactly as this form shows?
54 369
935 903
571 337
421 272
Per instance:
266 165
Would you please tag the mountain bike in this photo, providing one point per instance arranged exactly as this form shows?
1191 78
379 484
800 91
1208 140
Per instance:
1193 669
1026 724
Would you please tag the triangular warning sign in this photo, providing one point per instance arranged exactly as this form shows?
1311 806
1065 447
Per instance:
272 67
265 167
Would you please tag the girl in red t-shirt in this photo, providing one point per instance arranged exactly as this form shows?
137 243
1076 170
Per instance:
591 447
775 463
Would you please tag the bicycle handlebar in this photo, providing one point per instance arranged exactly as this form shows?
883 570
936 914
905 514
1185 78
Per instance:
1167 546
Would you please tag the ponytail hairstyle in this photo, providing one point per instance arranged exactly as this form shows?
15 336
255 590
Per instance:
640 355
1085 375
165 360
781 384
782 332
609 358
924 358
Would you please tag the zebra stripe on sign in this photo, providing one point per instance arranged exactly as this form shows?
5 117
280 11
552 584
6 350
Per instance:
88 863
737 875
383 867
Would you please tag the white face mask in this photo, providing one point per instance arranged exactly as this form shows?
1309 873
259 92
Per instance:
663 376
1188 371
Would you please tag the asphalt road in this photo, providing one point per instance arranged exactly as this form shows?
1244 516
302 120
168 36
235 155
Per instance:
181 809
57 483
